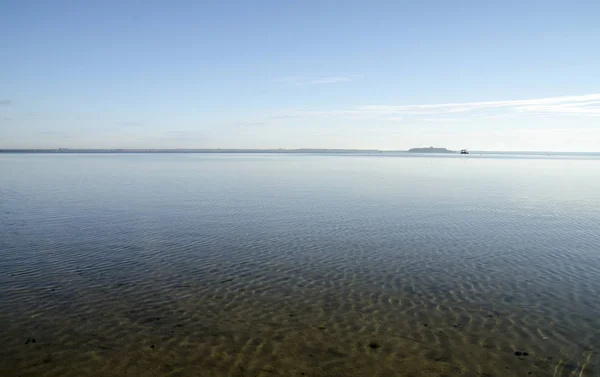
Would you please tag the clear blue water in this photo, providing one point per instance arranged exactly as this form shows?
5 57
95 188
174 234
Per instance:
353 265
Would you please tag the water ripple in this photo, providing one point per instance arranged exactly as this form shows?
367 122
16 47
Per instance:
298 265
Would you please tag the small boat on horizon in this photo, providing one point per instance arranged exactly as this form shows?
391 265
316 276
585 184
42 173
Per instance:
464 151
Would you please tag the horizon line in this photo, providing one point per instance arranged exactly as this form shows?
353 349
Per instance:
258 150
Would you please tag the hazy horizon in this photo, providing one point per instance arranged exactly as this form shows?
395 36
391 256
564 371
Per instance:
274 150
511 76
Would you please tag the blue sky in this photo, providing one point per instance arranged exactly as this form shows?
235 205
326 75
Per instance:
510 75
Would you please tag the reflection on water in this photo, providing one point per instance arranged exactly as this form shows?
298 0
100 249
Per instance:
252 265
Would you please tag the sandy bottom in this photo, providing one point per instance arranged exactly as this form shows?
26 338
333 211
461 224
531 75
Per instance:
267 318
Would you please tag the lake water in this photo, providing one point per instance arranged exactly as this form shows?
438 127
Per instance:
299 265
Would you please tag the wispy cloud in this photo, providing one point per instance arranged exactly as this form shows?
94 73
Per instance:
303 81
584 105
331 80
5 102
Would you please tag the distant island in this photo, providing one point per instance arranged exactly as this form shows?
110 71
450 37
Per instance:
430 150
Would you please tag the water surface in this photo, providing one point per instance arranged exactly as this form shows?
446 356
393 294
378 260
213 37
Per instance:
291 265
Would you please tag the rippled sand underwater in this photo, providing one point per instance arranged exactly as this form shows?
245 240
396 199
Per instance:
148 268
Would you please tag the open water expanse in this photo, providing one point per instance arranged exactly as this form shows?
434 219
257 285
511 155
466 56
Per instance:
299 265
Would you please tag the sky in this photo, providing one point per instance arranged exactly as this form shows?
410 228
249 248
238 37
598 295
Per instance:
390 75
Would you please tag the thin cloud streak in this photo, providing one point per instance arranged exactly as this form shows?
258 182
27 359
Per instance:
584 105
567 104
331 80
302 81
5 102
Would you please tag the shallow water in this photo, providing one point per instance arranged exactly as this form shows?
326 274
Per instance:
299 265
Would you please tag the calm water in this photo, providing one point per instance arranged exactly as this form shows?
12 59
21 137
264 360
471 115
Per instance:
299 265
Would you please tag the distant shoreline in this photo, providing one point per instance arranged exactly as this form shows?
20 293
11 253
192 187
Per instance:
68 150
269 151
